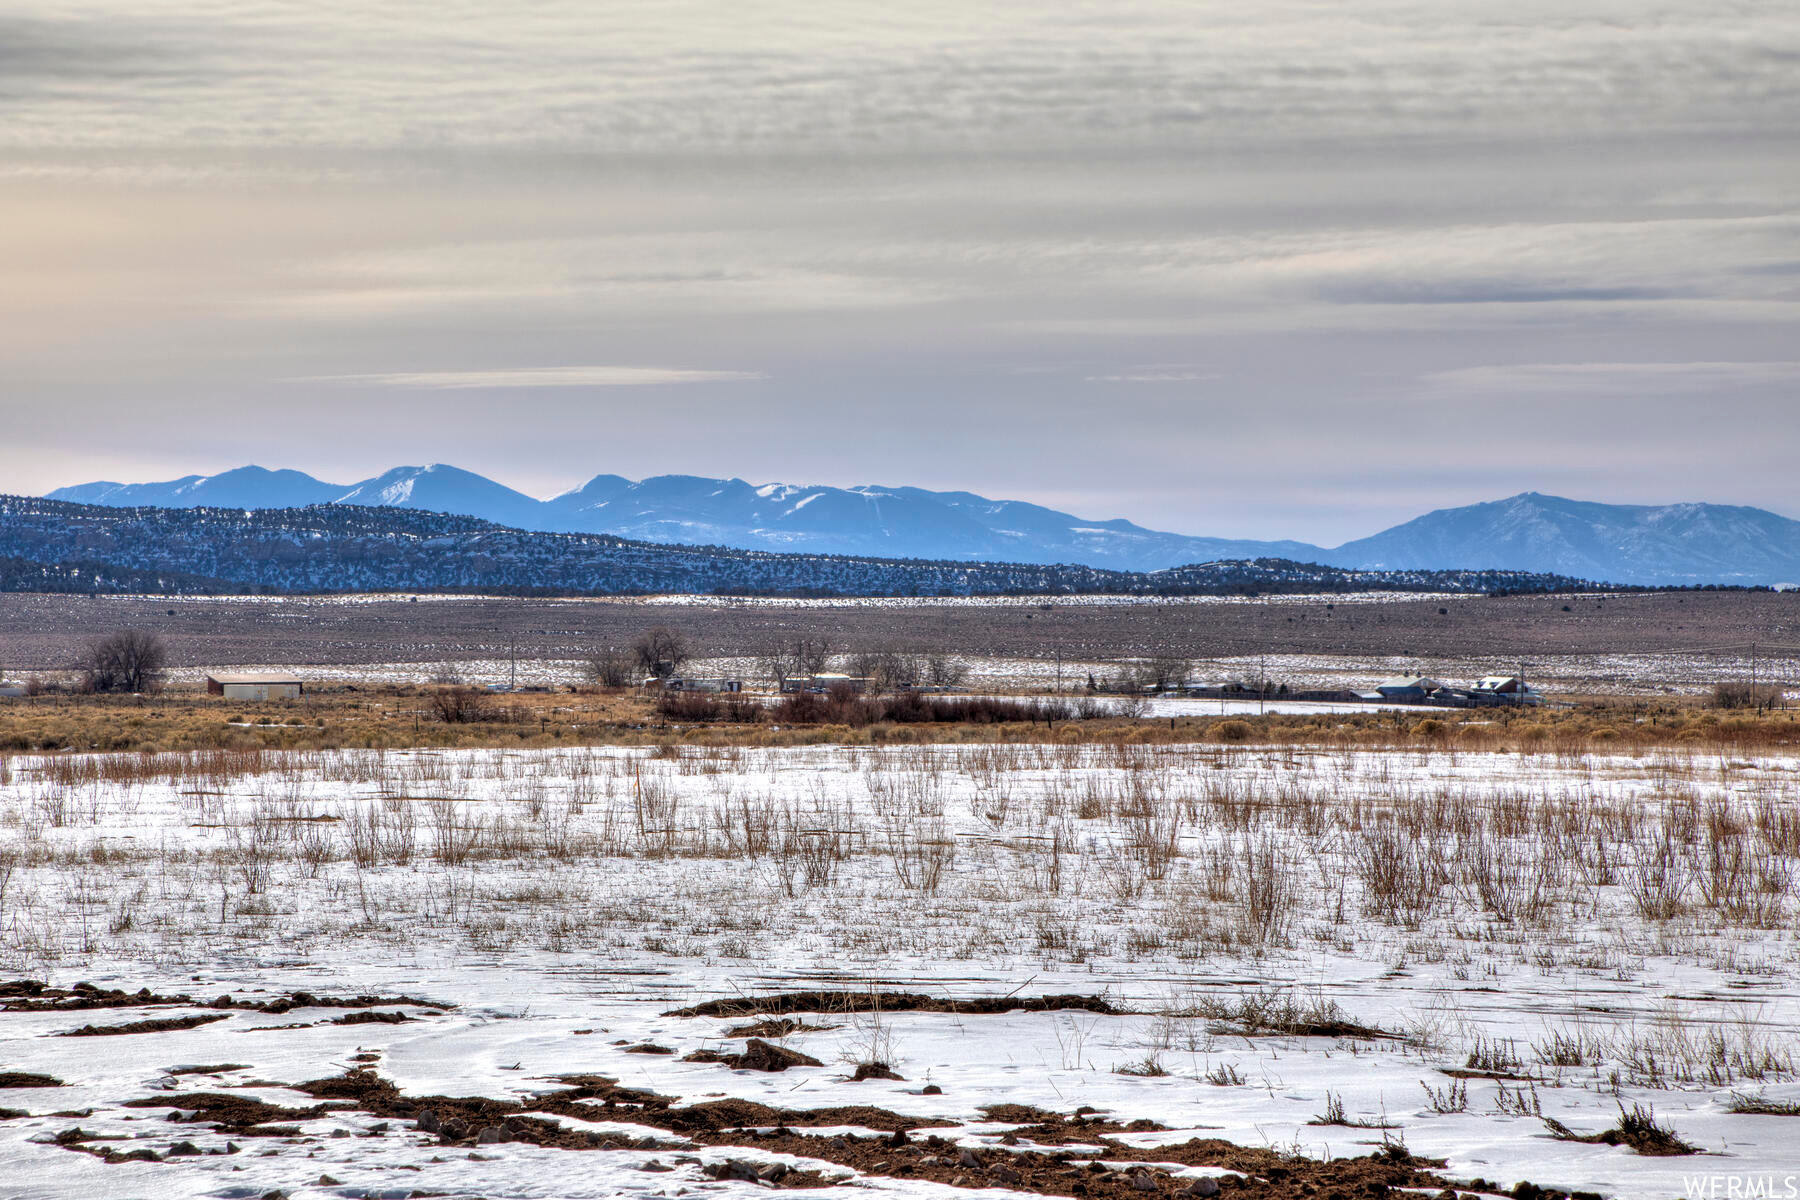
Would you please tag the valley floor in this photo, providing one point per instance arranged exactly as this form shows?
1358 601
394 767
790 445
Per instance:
1477 956
1304 952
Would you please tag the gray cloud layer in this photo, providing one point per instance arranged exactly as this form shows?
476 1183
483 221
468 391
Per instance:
1143 260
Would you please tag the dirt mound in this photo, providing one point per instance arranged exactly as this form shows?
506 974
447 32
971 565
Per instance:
1637 1129
1265 1173
372 1018
155 1025
784 1003
1053 1128
366 1088
762 1131
776 1028
723 1114
236 1114
25 1079
876 1070
758 1055
32 995
310 1000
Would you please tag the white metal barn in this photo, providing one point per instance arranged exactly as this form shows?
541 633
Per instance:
255 687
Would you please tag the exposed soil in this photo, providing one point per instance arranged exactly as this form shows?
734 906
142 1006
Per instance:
783 1003
34 995
238 1115
760 1131
154 1025
758 1055
875 1070
1637 1129
1055 1129
371 1018
777 1028
26 1079
1028 1161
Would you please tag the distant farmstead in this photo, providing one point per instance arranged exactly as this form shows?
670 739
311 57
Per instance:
255 687
685 684
1413 688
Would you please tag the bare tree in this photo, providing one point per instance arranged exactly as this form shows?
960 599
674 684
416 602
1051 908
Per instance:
610 668
661 651
775 663
943 671
130 660
802 656
887 670
1165 671
812 656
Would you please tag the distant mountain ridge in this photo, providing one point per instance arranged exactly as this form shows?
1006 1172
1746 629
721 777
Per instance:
1678 544
57 546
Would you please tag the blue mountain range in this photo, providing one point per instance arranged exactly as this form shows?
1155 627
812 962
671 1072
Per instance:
1635 544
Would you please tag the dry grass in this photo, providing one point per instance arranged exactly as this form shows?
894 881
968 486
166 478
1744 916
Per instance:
448 717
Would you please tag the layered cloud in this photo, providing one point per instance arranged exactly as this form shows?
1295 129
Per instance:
546 377
1145 252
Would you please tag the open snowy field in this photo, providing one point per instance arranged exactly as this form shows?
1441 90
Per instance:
1480 958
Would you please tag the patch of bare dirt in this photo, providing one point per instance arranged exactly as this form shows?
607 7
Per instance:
761 1131
1637 1129
207 1069
26 1079
777 1028
758 1055
153 1025
234 1114
371 1018
34 995
1052 1128
785 1003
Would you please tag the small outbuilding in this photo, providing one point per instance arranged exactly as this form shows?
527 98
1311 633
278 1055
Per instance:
688 684
1408 687
1507 688
255 687
825 682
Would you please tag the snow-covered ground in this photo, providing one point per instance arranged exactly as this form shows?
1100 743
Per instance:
1608 931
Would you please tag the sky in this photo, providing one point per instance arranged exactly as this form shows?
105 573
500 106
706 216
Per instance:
1246 270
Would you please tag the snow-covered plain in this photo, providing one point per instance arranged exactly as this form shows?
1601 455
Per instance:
1608 931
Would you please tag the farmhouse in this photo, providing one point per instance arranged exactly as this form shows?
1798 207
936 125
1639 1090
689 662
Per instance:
255 687
1509 688
1408 687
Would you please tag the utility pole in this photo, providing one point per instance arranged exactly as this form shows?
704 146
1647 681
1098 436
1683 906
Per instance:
513 651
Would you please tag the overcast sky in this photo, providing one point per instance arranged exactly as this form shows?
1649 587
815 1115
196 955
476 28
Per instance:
1242 269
